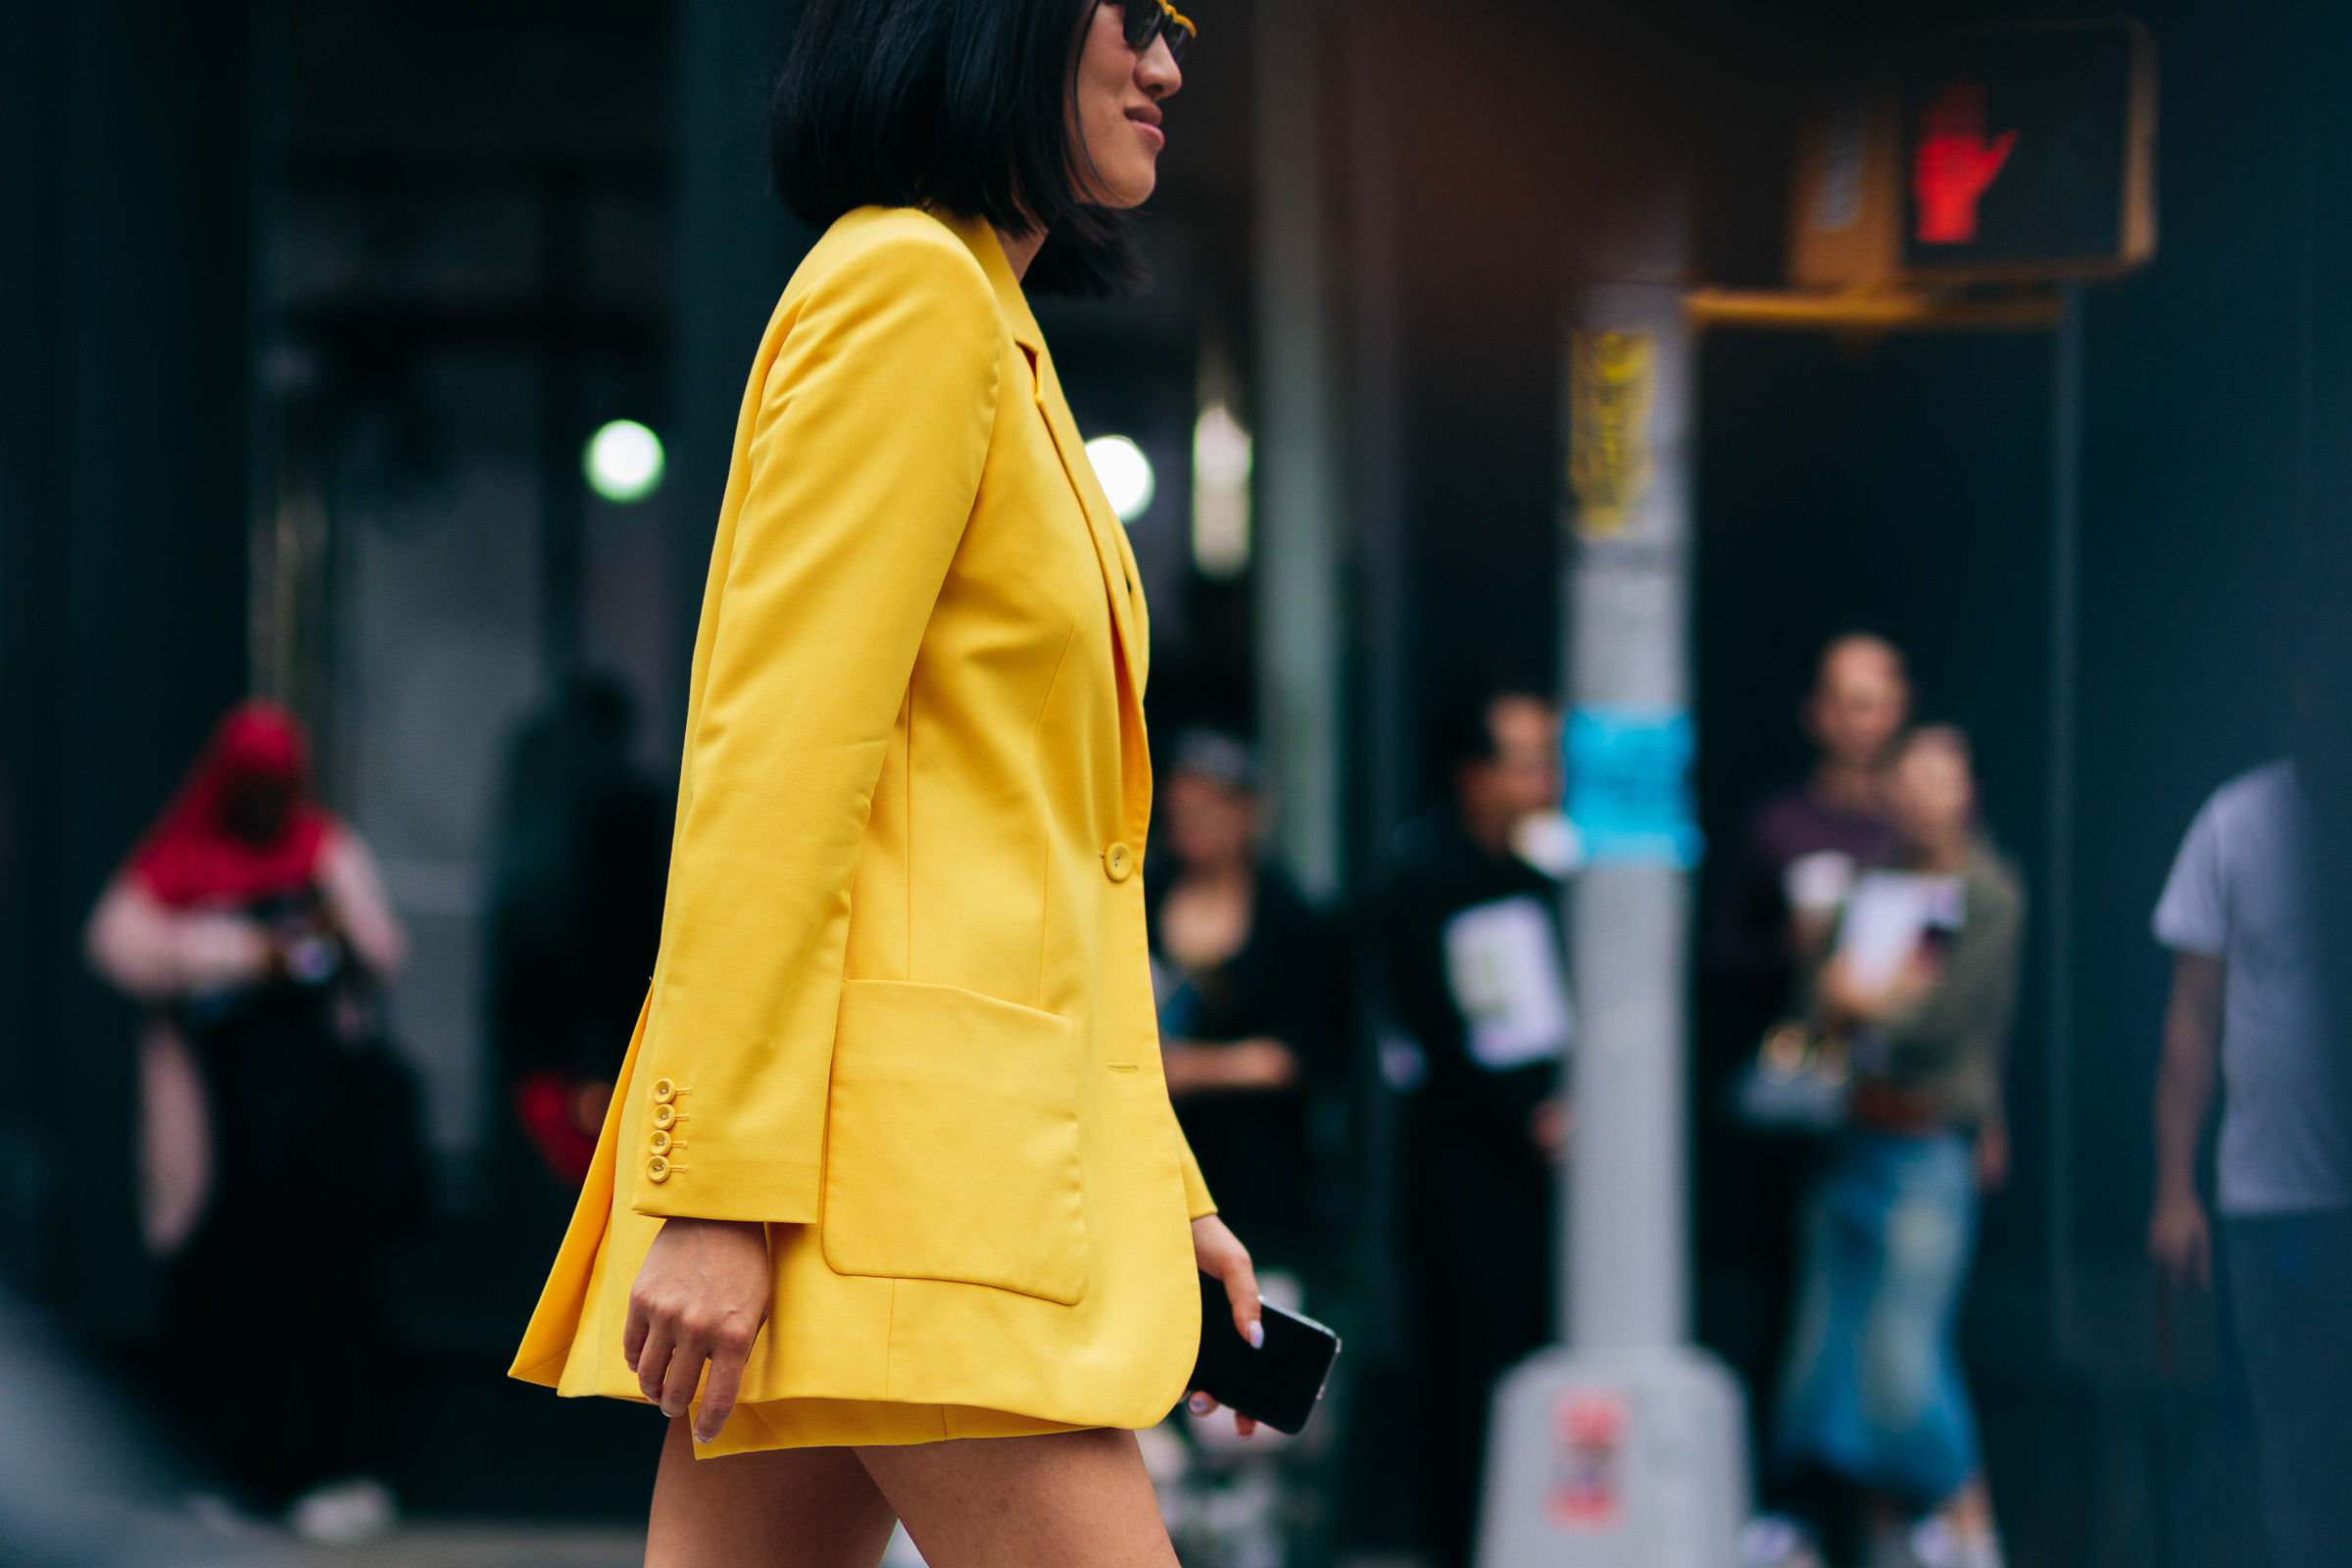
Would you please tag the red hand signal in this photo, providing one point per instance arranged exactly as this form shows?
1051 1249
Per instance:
1954 164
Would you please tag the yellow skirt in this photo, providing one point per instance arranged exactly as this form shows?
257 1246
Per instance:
846 1423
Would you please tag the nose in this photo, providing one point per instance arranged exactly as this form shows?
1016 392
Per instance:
1155 71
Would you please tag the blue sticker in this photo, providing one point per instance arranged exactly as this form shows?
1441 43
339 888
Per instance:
1629 786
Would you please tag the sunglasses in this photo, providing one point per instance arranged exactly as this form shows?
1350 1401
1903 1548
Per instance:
1148 20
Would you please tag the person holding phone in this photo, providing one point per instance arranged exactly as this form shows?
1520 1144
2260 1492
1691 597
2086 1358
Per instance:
890 1215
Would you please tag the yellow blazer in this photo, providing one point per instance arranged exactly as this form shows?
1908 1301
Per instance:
903 1011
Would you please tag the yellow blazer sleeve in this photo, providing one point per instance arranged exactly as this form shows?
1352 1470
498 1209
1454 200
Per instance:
868 438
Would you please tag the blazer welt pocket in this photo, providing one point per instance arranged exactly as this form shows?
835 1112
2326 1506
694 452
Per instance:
952 1142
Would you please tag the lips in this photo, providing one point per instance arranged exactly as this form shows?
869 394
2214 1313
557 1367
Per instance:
1146 120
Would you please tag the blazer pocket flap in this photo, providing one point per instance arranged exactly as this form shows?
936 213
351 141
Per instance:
952 1142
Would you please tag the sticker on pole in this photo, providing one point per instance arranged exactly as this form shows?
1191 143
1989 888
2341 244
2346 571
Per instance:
1613 385
1629 786
1586 1492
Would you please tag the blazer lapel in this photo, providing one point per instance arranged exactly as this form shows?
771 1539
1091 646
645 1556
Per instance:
1111 550
1120 582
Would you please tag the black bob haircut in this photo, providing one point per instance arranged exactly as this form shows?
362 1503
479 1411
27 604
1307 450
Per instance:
961 106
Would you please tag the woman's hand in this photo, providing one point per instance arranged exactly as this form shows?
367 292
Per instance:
1849 1002
702 1295
1222 1257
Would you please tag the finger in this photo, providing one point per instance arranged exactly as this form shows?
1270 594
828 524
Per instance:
720 1388
632 1336
1243 1425
653 1361
685 1375
1200 1403
1241 1292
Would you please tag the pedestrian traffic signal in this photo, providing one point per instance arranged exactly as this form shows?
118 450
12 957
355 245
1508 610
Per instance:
2019 154
1953 164
2029 152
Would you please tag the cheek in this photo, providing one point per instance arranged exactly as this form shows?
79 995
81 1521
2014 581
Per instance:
1106 125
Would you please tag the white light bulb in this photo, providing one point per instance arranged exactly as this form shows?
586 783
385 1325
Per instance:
624 461
1126 472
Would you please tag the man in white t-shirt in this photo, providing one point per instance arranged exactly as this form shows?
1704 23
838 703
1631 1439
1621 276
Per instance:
2247 990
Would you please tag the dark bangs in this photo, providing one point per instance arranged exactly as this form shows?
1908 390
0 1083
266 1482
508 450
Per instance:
956 105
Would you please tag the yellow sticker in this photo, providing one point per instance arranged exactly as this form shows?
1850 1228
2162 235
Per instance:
1612 383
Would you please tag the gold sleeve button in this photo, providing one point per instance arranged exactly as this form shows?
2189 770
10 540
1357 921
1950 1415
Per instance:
656 1169
1119 862
663 1115
663 1091
659 1143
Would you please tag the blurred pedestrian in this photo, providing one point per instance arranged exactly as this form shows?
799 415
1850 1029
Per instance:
575 914
1789 873
1917 985
1252 1004
1803 845
1253 1034
2248 995
1477 976
278 1144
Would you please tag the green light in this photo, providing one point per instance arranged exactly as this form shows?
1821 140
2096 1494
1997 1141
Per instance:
623 461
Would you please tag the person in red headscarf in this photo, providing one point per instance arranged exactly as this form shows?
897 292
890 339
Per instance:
277 1131
201 908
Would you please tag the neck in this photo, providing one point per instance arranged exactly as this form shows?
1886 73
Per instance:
1020 250
1846 787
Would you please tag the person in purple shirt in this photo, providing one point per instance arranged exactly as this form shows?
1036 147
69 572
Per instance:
1776 902
1803 843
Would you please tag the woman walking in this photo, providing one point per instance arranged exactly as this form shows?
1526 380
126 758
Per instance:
1921 982
890 1215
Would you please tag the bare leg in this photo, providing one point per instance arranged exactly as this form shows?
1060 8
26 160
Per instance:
1070 1500
781 1508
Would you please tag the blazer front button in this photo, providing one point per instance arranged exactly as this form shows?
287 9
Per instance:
656 1169
1119 862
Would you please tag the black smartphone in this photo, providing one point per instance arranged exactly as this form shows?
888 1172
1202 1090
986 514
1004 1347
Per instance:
1277 1383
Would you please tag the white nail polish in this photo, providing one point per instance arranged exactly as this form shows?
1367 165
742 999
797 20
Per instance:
1258 1336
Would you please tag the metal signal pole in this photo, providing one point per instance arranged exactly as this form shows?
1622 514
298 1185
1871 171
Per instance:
1625 1450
